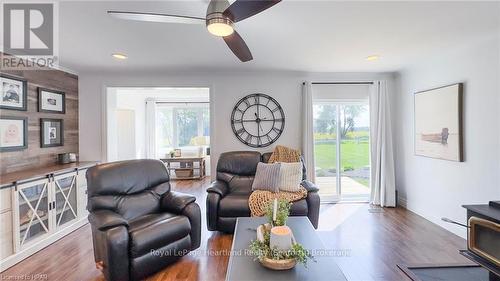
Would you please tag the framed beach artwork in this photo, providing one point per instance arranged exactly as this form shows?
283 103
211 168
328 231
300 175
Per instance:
51 101
13 133
13 92
438 123
51 132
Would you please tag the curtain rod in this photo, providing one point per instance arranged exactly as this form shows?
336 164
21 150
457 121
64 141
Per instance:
340 83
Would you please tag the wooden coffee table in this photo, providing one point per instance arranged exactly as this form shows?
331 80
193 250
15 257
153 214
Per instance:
242 267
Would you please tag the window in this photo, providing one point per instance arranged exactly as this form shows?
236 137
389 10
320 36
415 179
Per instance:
181 125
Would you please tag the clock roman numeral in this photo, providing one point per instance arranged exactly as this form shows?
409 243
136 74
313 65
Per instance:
256 99
246 102
276 130
276 109
237 121
248 138
240 131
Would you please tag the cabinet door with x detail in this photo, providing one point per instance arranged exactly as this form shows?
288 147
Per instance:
65 199
32 219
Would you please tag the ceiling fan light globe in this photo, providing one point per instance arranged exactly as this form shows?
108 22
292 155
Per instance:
220 27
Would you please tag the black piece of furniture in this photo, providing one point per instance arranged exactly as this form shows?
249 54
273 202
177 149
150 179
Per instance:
445 272
483 237
138 224
228 195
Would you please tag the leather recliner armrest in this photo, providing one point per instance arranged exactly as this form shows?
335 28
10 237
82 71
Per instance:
218 187
106 219
309 186
175 202
184 204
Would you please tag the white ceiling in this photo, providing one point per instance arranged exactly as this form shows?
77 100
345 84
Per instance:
317 36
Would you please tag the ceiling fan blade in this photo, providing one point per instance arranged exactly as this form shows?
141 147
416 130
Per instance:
242 9
238 46
153 17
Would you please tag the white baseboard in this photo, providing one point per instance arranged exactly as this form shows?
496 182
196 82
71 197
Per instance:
25 253
402 202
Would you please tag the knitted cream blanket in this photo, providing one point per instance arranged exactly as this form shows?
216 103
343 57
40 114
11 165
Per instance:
260 199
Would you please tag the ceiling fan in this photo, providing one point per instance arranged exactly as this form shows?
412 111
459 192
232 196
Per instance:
219 20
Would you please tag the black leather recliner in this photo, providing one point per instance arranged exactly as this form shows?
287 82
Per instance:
138 224
228 195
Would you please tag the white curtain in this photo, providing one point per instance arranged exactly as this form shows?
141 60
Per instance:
308 130
151 129
383 188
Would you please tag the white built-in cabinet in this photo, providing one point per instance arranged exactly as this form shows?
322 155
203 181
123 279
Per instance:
39 212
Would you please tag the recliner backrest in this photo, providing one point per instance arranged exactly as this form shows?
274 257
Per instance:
237 169
131 188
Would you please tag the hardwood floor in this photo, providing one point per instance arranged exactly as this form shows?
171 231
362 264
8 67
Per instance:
369 243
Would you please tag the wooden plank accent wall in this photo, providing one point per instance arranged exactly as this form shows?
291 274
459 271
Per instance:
35 156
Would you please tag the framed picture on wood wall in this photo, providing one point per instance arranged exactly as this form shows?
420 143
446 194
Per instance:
51 101
13 92
51 132
438 123
13 133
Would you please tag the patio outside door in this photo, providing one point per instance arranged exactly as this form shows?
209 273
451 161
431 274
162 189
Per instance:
341 150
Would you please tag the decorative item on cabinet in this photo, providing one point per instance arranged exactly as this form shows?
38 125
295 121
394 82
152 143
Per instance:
65 158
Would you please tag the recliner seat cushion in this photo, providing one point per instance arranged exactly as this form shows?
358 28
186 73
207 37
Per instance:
234 205
154 231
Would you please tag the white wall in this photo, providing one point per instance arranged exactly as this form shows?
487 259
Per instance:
126 133
437 188
225 90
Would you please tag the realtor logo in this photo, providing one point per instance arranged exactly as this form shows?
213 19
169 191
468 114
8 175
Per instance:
28 29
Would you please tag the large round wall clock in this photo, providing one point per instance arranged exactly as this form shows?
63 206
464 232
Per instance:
258 120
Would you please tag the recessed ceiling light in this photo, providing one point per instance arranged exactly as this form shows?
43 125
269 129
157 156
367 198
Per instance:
120 56
372 58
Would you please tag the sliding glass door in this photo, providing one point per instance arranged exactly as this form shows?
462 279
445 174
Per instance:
341 150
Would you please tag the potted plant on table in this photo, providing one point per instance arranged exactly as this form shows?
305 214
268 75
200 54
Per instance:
275 246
